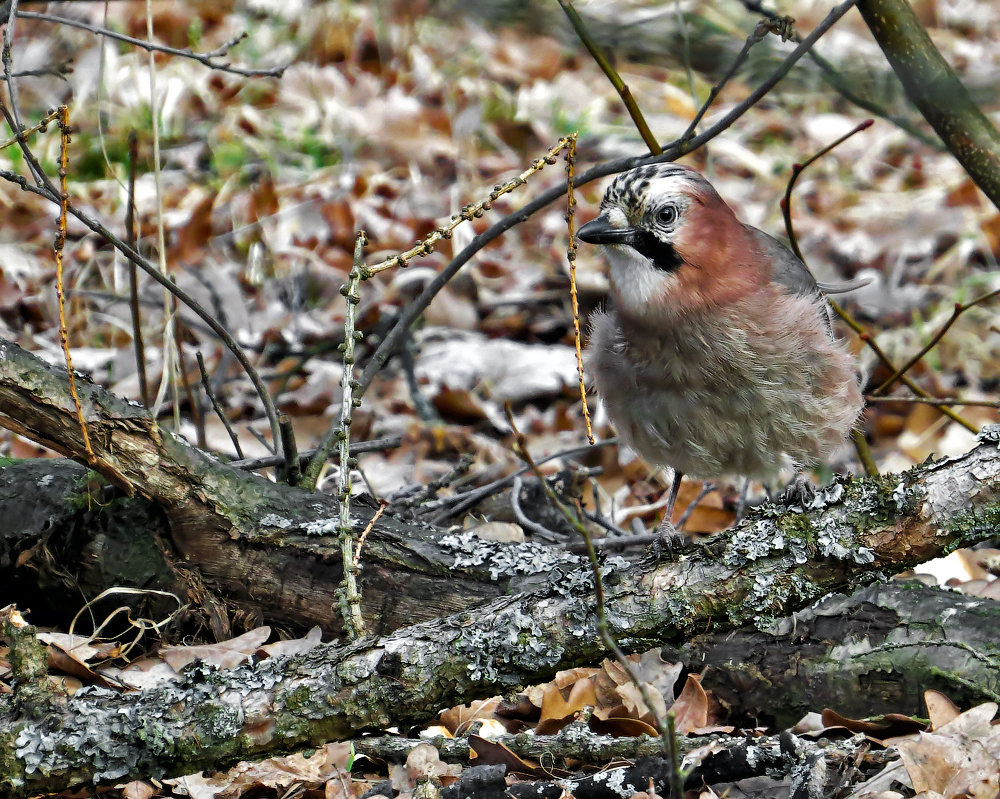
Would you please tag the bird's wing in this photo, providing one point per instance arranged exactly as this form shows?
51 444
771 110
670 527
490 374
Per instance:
789 271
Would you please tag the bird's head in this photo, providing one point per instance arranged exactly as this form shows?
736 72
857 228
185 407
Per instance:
673 244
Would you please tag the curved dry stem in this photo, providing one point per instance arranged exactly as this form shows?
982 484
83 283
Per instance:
960 308
470 212
898 374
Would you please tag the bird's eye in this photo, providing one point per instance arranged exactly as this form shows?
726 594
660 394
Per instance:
667 215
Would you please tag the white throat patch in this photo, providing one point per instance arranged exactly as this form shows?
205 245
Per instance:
635 279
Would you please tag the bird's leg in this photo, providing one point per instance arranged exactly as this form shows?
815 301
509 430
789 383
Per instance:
670 538
741 503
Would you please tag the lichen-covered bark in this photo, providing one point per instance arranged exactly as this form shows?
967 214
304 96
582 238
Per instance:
261 548
935 89
770 566
873 652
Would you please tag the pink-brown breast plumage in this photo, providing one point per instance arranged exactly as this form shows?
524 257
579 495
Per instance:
716 356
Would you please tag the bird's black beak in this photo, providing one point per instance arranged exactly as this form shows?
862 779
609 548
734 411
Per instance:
599 231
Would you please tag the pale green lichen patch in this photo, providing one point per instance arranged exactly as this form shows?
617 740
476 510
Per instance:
274 520
490 652
504 560
754 540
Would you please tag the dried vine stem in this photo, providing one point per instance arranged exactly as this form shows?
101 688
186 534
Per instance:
857 327
63 115
471 211
573 293
348 595
52 116
797 170
368 528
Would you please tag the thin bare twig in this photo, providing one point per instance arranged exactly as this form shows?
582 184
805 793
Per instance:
208 59
603 628
348 595
357 448
873 345
758 34
857 437
134 257
470 212
936 402
533 527
197 417
863 334
290 471
612 74
573 293
364 533
207 384
461 502
41 126
959 309
17 125
798 169
133 275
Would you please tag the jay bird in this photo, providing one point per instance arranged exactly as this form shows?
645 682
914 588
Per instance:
716 355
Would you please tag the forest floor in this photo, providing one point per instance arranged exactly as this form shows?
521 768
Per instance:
391 117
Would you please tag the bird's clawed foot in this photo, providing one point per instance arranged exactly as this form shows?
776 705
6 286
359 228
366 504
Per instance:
670 542
800 491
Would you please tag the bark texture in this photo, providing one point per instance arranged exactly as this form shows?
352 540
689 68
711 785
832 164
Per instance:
231 525
769 567
867 654
936 91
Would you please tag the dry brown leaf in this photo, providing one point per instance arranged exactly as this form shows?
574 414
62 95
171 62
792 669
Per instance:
224 654
987 589
137 789
982 564
961 758
891 725
991 229
422 762
70 653
263 199
504 532
691 707
457 719
329 762
492 753
635 702
193 236
295 646
940 709
622 727
560 706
